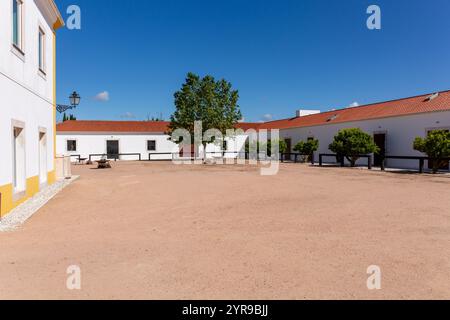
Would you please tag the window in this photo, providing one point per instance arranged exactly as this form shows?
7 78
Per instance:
41 49
17 23
19 169
151 145
71 145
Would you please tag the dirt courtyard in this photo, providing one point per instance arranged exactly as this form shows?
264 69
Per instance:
160 231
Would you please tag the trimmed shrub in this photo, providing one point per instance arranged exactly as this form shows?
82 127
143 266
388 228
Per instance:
350 143
307 149
436 146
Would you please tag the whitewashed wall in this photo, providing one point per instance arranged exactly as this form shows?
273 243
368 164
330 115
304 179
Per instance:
95 143
25 94
400 131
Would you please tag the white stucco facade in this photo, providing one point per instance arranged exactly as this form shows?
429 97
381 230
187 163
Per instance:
88 143
27 93
400 133
397 133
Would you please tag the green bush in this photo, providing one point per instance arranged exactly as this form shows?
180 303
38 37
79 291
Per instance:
350 143
267 147
436 146
282 146
307 149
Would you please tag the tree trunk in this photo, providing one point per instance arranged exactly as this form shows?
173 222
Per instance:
352 161
204 153
437 164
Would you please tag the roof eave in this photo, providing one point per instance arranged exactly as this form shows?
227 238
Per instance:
59 23
51 13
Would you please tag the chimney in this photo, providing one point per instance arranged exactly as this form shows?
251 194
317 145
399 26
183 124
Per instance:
304 113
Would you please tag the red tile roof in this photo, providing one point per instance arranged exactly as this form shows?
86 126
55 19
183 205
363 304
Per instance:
394 108
112 126
125 126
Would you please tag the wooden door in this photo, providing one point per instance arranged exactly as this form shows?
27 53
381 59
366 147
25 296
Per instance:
112 149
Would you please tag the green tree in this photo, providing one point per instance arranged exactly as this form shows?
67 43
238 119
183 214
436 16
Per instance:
282 146
266 147
436 146
350 143
212 102
68 118
307 148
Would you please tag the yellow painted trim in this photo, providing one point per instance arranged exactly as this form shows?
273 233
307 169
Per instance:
6 199
32 186
54 101
51 177
9 204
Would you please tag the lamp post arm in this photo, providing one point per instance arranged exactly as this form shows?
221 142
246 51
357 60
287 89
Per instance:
63 108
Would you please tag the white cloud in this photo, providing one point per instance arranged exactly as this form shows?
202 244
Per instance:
267 117
102 96
128 115
354 104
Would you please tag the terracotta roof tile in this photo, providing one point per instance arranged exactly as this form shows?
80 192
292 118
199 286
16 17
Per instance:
401 107
112 126
125 126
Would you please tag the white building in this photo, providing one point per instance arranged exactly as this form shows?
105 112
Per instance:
394 125
27 92
85 138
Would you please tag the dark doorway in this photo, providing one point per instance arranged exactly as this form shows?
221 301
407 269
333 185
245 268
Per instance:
380 141
112 149
445 166
288 149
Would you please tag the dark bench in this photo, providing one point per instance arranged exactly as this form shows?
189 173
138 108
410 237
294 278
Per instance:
420 159
341 159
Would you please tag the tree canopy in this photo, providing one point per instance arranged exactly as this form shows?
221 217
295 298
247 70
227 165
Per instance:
351 143
436 146
68 118
307 148
212 102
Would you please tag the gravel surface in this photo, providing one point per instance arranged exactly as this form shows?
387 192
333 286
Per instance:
159 231
26 210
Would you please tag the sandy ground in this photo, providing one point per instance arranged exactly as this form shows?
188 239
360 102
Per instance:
159 231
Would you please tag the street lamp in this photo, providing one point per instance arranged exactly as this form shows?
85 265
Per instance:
74 102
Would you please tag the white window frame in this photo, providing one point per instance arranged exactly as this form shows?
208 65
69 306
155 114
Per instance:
20 35
41 50
43 131
18 193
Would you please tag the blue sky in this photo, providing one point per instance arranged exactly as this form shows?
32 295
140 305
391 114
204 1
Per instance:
280 55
